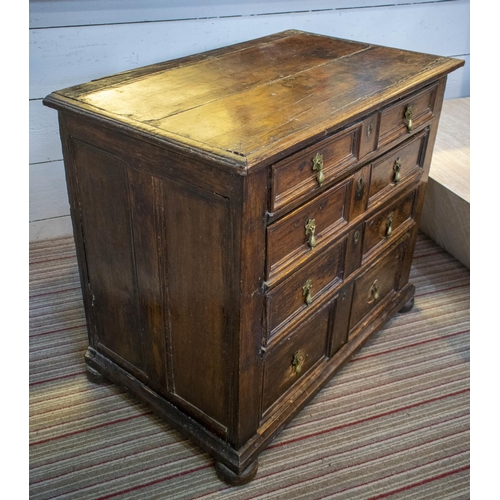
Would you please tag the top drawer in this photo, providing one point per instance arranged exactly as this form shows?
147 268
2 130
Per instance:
403 117
306 171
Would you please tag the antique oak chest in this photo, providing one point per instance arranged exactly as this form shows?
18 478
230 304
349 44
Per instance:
244 220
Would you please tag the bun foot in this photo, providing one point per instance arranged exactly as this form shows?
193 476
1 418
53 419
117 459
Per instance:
233 479
408 306
94 376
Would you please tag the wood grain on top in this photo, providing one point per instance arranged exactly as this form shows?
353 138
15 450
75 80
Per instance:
252 101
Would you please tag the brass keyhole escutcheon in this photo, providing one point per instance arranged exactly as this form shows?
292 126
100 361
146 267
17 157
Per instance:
355 237
397 170
369 130
298 361
408 118
388 224
317 166
375 291
306 292
311 232
360 188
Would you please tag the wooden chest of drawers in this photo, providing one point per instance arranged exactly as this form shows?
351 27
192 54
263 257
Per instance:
245 219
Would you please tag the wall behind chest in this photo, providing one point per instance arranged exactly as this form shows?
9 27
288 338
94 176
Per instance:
74 41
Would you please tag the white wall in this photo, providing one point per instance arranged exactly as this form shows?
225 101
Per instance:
74 41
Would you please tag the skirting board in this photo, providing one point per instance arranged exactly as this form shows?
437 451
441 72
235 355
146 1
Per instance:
56 227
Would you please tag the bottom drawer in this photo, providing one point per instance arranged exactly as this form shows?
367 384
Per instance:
378 283
290 361
290 364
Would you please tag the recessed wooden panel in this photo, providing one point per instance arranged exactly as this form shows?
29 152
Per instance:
199 262
396 168
288 241
377 283
305 347
394 124
387 223
288 299
103 191
144 208
295 177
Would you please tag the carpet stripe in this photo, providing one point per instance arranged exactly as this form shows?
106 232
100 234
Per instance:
353 395
128 490
441 290
73 409
59 330
100 426
409 346
372 417
310 473
425 481
45 261
357 449
393 423
61 377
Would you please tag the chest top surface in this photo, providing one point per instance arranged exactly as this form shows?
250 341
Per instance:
247 103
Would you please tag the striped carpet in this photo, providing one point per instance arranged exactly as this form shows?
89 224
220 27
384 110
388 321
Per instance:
393 423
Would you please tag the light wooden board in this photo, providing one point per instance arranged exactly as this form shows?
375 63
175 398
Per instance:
44 141
50 228
48 195
45 13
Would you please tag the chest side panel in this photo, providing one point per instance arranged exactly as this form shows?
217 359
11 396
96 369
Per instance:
160 265
116 217
199 265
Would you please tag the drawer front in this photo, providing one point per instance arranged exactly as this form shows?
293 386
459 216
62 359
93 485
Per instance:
397 168
308 229
304 288
403 117
290 361
386 224
378 283
305 172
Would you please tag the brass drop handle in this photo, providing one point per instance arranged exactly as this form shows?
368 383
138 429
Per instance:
388 224
317 166
306 292
408 118
397 170
375 291
310 232
298 361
